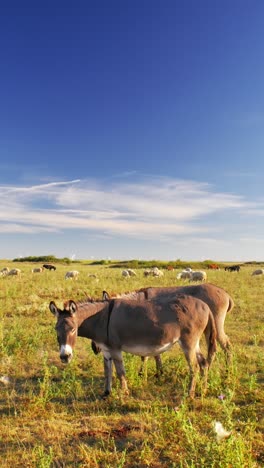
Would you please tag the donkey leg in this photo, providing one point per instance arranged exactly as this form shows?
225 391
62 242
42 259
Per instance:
190 354
143 363
121 373
108 364
202 361
159 370
204 366
222 338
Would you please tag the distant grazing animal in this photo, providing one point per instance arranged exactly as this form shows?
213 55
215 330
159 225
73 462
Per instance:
72 274
233 268
155 271
14 272
213 266
258 272
125 274
198 276
131 272
48 266
37 270
184 275
142 328
128 272
147 272
5 270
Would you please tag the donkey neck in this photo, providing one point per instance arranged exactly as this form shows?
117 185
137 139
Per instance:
92 319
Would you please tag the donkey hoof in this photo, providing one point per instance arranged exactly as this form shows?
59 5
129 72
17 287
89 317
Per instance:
105 395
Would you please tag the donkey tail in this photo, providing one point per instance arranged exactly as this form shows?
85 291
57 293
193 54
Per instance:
231 304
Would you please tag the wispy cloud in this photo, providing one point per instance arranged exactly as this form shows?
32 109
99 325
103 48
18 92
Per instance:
151 208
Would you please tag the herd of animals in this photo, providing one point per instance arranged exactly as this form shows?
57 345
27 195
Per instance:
146 322
187 273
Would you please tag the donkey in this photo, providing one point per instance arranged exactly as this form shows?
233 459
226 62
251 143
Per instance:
143 328
219 301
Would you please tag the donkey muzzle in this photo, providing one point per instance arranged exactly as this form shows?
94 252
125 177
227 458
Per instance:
66 353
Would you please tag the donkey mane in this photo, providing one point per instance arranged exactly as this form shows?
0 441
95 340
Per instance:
88 300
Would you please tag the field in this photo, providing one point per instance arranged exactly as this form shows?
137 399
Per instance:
52 415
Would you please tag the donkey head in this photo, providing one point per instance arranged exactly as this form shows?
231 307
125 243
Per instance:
66 328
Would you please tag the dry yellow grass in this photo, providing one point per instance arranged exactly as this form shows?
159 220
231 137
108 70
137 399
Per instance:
51 415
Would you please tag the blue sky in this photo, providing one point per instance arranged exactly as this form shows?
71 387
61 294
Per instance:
132 129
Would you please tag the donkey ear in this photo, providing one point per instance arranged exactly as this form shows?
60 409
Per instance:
105 296
72 307
53 308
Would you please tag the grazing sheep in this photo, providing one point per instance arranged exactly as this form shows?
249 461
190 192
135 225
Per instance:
72 274
258 272
125 274
4 271
147 272
153 272
157 272
14 271
131 272
184 275
198 276
37 270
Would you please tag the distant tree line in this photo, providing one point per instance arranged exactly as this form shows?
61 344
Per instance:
177 264
43 259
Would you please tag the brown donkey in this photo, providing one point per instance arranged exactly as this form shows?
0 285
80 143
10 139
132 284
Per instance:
219 301
143 328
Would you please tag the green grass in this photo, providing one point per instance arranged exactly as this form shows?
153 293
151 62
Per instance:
52 416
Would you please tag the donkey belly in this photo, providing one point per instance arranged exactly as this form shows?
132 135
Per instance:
147 350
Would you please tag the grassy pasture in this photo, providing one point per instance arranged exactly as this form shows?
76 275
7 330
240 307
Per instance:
51 415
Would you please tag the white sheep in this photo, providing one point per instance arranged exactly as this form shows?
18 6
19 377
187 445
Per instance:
147 272
125 274
37 270
258 272
155 271
14 271
72 274
184 275
131 272
198 276
4 271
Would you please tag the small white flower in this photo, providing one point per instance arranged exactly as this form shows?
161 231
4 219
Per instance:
221 433
5 380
